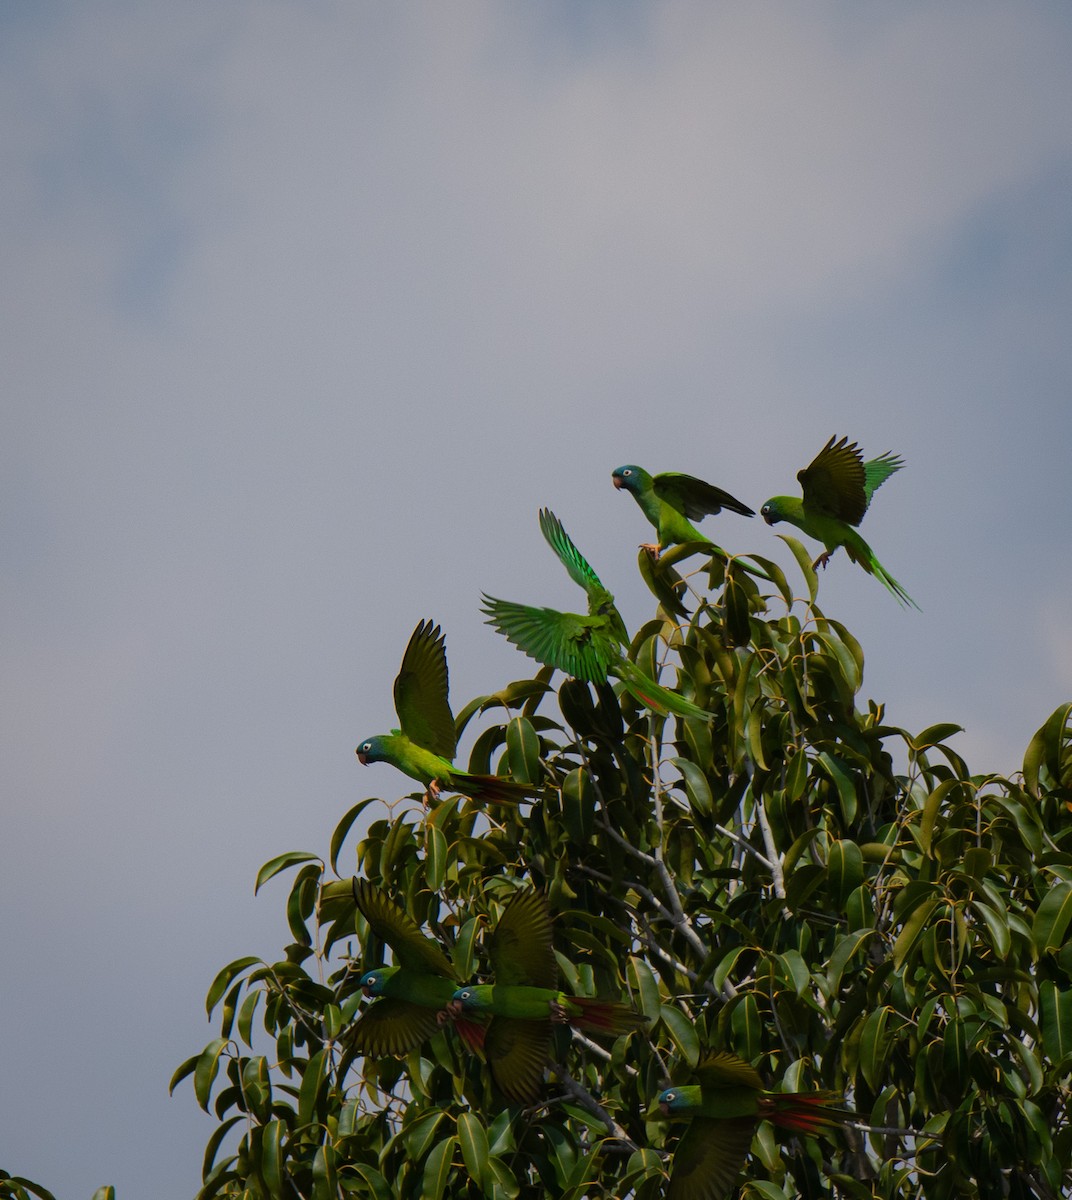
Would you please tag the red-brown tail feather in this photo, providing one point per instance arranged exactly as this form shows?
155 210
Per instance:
806 1112
605 1016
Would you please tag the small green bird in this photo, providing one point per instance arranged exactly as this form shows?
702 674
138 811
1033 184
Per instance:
424 747
414 996
586 647
524 1000
725 1107
672 501
838 486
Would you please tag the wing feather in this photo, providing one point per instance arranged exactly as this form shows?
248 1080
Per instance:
520 948
695 497
577 645
421 691
834 482
396 927
709 1158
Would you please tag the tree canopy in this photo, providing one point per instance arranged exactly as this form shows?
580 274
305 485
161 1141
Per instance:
796 880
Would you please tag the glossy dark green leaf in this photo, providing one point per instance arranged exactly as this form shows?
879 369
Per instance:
804 558
1050 927
280 863
343 828
224 979
437 1169
1055 1021
523 750
208 1064
473 1140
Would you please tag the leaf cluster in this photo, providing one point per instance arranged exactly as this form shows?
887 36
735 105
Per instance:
834 899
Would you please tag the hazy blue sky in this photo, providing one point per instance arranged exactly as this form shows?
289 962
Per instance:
309 307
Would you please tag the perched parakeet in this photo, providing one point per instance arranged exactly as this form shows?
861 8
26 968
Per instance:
586 647
424 747
524 1000
838 486
414 995
672 501
725 1107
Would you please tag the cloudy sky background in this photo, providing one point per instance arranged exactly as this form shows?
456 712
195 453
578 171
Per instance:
309 307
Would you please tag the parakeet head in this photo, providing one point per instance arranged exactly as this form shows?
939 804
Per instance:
629 477
472 998
772 512
674 1101
373 982
370 751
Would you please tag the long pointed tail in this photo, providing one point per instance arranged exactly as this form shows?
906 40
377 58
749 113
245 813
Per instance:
892 585
805 1112
494 789
604 1016
653 695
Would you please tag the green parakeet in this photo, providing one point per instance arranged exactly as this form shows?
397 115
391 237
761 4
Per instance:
524 1000
838 486
672 501
424 747
586 647
414 995
725 1107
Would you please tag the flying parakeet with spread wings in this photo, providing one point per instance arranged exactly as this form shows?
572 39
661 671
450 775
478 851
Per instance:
725 1107
413 997
838 486
586 647
524 1000
672 501
424 747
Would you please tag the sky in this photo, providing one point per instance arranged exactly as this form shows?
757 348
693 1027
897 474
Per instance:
309 307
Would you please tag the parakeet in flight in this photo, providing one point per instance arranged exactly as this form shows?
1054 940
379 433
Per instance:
524 1000
838 486
725 1107
586 647
424 747
672 501
415 994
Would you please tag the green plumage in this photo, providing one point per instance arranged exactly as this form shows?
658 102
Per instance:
524 1001
672 501
414 995
586 646
725 1107
837 488
425 745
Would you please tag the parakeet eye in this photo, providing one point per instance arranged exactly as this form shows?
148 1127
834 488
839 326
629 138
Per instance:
669 1097
626 472
371 980
465 995
364 748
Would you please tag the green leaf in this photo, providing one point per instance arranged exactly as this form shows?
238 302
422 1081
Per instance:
272 1155
696 786
312 1085
845 867
1052 919
435 852
107 1192
437 1169
642 983
1046 750
683 1032
523 750
473 1140
911 930
325 1185
280 863
212 1149
811 580
182 1070
343 828
208 1063
578 804
223 980
1055 1022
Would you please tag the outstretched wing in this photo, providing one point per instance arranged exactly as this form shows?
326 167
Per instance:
520 948
517 1052
727 1070
834 482
577 645
421 692
570 557
709 1158
393 1027
694 497
396 927
878 470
